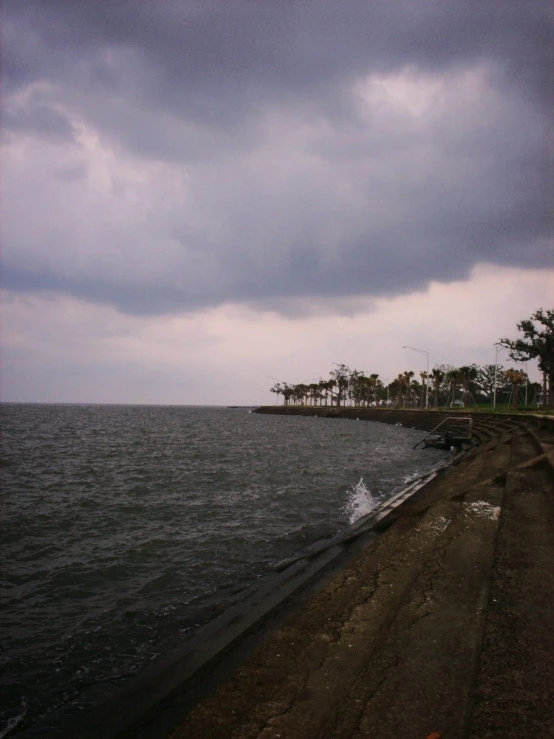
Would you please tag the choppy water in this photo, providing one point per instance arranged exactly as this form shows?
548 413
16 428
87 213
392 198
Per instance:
124 527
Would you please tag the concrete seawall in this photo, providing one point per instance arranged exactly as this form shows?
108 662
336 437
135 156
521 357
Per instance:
434 614
485 425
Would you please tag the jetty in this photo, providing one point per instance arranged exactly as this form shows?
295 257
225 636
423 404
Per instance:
435 618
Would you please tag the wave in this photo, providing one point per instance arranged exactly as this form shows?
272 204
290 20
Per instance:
360 501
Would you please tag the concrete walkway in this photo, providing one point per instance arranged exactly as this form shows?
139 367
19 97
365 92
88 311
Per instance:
444 624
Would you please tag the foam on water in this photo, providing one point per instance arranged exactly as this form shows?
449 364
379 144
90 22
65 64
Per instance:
411 477
360 501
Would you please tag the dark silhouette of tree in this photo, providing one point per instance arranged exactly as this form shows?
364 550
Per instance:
516 378
404 391
341 377
288 393
277 389
408 378
437 376
486 378
324 390
454 379
424 380
467 376
537 343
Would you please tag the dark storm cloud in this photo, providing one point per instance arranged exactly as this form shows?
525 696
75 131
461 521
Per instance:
195 49
380 203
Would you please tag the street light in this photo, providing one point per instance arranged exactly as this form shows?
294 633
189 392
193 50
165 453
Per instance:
422 351
498 347
526 383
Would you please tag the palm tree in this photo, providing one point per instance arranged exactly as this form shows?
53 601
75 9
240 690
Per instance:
330 385
288 393
358 387
371 386
302 393
378 389
454 378
324 390
361 387
438 377
468 376
424 377
397 387
408 376
314 393
415 391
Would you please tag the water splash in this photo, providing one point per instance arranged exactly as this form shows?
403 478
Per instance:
360 502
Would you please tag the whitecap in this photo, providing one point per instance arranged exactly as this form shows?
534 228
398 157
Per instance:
360 502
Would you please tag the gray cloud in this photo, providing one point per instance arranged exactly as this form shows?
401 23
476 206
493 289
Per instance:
39 120
273 151
73 172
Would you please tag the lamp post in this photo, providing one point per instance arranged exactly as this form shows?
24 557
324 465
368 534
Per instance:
495 367
526 383
422 351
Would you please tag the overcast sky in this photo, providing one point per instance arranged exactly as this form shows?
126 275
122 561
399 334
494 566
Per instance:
202 197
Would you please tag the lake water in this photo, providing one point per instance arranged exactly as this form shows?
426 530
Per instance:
125 527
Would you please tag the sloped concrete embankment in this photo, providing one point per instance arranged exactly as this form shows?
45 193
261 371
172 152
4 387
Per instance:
485 425
444 623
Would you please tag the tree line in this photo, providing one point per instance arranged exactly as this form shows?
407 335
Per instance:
444 385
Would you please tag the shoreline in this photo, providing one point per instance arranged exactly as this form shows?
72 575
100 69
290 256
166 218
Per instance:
442 624
159 701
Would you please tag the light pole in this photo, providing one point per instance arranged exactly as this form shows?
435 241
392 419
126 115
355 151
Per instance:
498 347
422 351
526 383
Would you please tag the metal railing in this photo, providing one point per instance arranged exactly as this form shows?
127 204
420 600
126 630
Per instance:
444 420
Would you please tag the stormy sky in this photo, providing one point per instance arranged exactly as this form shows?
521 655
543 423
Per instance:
199 197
